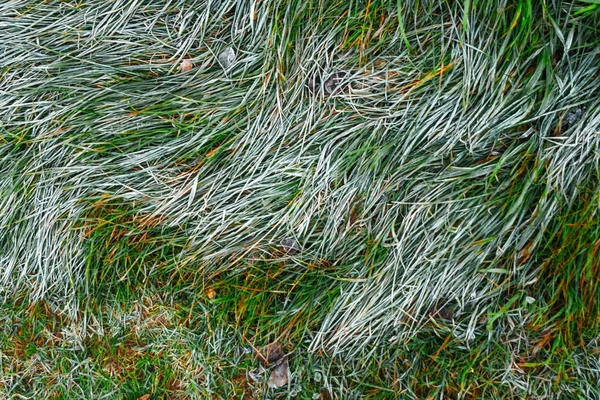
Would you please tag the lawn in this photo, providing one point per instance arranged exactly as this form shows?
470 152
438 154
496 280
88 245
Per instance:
347 199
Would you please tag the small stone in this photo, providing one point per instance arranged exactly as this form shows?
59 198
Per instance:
290 246
227 57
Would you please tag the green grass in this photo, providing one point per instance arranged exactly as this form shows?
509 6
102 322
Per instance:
178 348
143 208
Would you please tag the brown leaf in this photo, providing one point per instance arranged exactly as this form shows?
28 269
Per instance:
185 65
272 353
290 246
144 397
336 83
279 374
438 310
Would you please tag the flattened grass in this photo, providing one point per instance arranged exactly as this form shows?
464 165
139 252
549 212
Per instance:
144 207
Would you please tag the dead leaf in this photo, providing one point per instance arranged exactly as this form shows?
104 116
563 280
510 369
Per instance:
279 374
144 397
185 65
290 246
272 353
438 310
256 374
210 293
336 83
273 356
226 57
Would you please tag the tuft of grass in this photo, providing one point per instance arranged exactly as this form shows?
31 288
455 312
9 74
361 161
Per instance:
127 249
570 270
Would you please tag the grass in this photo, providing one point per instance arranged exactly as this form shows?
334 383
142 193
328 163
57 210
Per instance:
146 210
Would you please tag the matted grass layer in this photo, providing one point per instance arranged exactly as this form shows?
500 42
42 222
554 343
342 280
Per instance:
405 194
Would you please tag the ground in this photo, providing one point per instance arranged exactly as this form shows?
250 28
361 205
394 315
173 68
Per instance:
400 197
